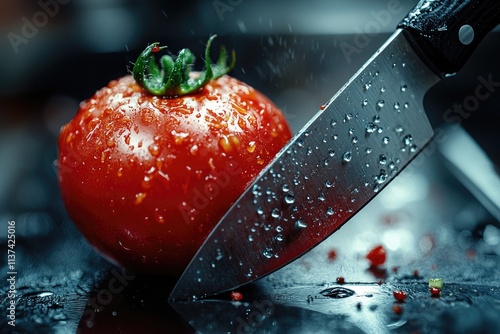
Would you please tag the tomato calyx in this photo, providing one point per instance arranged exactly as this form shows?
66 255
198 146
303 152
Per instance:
172 78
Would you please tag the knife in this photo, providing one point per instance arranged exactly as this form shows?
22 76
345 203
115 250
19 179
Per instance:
346 154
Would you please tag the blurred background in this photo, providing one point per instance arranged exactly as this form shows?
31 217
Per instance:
56 53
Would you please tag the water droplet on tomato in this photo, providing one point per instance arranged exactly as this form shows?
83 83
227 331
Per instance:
300 224
330 211
139 197
160 218
193 150
146 181
276 213
290 198
268 253
154 149
251 146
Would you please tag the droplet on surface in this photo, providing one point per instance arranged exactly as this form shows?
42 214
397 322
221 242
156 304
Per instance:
251 146
403 88
300 224
276 213
330 211
382 159
407 140
396 106
382 90
380 104
371 127
154 149
347 156
368 150
385 140
354 140
139 197
337 292
364 102
268 253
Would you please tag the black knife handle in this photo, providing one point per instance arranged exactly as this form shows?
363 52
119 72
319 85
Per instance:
446 32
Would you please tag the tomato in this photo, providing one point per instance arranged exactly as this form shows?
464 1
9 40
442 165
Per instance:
377 256
399 295
145 178
236 296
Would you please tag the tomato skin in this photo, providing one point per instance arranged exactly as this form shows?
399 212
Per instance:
146 178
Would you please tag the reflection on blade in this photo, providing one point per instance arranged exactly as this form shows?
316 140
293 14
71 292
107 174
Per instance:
341 159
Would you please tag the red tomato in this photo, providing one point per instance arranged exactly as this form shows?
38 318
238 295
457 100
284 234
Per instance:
236 296
400 295
377 256
146 178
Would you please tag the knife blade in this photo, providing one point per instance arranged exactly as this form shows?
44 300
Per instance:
346 154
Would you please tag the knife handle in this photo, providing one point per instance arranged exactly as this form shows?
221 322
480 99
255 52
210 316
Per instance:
446 32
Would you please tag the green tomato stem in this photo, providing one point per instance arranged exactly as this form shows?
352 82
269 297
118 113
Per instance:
171 78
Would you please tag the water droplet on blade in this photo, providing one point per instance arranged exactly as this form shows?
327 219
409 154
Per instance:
337 292
347 156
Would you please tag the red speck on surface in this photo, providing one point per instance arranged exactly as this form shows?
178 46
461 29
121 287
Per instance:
332 255
416 273
435 292
322 107
340 280
380 282
377 256
155 49
395 269
400 295
397 309
471 254
236 296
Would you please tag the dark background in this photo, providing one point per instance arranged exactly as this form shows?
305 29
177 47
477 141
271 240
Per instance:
290 50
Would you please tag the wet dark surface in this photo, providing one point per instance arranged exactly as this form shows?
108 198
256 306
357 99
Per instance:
430 225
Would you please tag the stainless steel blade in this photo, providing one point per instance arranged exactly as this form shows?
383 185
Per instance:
370 130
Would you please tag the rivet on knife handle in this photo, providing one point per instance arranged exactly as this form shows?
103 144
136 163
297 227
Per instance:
445 33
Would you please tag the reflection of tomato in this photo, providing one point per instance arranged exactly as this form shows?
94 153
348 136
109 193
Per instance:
145 178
